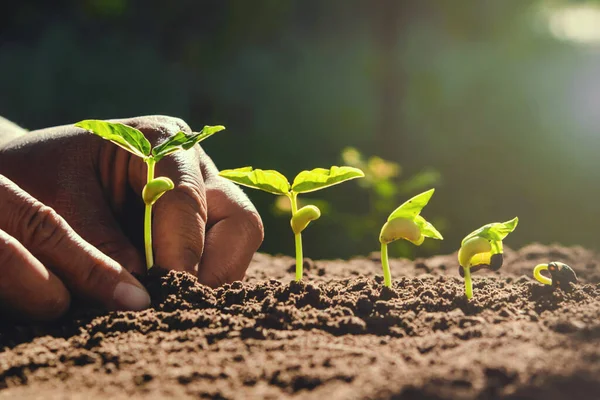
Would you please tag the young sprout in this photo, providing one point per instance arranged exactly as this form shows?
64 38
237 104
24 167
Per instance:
136 143
561 275
306 181
482 248
406 223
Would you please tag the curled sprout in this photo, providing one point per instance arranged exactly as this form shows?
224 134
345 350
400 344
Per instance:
306 181
135 142
561 275
483 248
406 223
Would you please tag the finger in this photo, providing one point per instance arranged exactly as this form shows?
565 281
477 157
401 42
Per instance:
82 267
179 217
235 231
27 289
98 201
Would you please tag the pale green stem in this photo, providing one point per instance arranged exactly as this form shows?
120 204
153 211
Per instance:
468 282
541 278
387 275
297 239
148 220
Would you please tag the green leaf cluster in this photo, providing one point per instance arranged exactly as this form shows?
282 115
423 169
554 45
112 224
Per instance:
410 210
274 182
494 232
135 142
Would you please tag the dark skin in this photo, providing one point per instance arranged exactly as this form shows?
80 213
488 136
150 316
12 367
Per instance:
70 219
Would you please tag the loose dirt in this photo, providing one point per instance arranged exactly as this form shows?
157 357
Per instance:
339 334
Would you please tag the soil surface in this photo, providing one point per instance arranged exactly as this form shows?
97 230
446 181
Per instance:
339 334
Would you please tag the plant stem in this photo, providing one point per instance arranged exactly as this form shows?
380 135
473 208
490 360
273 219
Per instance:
148 219
541 278
468 282
387 276
299 257
297 240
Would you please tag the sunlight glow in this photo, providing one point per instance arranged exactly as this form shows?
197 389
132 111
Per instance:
576 23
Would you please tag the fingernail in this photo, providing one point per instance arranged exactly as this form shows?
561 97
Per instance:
131 297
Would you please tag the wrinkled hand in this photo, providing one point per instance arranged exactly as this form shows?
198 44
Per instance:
33 235
206 225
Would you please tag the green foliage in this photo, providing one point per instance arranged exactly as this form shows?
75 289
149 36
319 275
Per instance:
269 180
412 222
306 181
480 247
406 223
373 197
123 136
320 178
493 232
136 143
183 141
427 229
412 207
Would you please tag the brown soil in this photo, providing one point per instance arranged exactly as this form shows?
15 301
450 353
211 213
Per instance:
339 334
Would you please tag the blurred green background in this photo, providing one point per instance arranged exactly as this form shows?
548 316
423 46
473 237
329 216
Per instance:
495 103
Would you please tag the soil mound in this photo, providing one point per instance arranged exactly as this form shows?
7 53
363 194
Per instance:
339 333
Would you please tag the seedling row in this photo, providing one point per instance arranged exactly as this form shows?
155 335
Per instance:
480 249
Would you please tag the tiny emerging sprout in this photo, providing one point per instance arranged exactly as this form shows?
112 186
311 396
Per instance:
483 248
306 181
303 217
561 275
406 223
135 142
156 188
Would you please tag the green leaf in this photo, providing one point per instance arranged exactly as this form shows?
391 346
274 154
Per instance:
267 180
495 231
427 229
319 178
183 141
123 136
412 207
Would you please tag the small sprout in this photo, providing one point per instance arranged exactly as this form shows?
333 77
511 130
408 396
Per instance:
135 142
406 223
303 217
306 181
156 188
561 275
483 248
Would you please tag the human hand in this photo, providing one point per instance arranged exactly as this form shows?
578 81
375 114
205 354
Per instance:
42 259
206 225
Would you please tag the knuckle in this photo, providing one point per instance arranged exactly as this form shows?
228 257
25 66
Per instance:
126 255
181 124
253 226
95 276
191 195
170 125
42 226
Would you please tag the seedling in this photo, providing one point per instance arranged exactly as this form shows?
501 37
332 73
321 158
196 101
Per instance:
483 248
136 143
406 223
306 181
561 275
